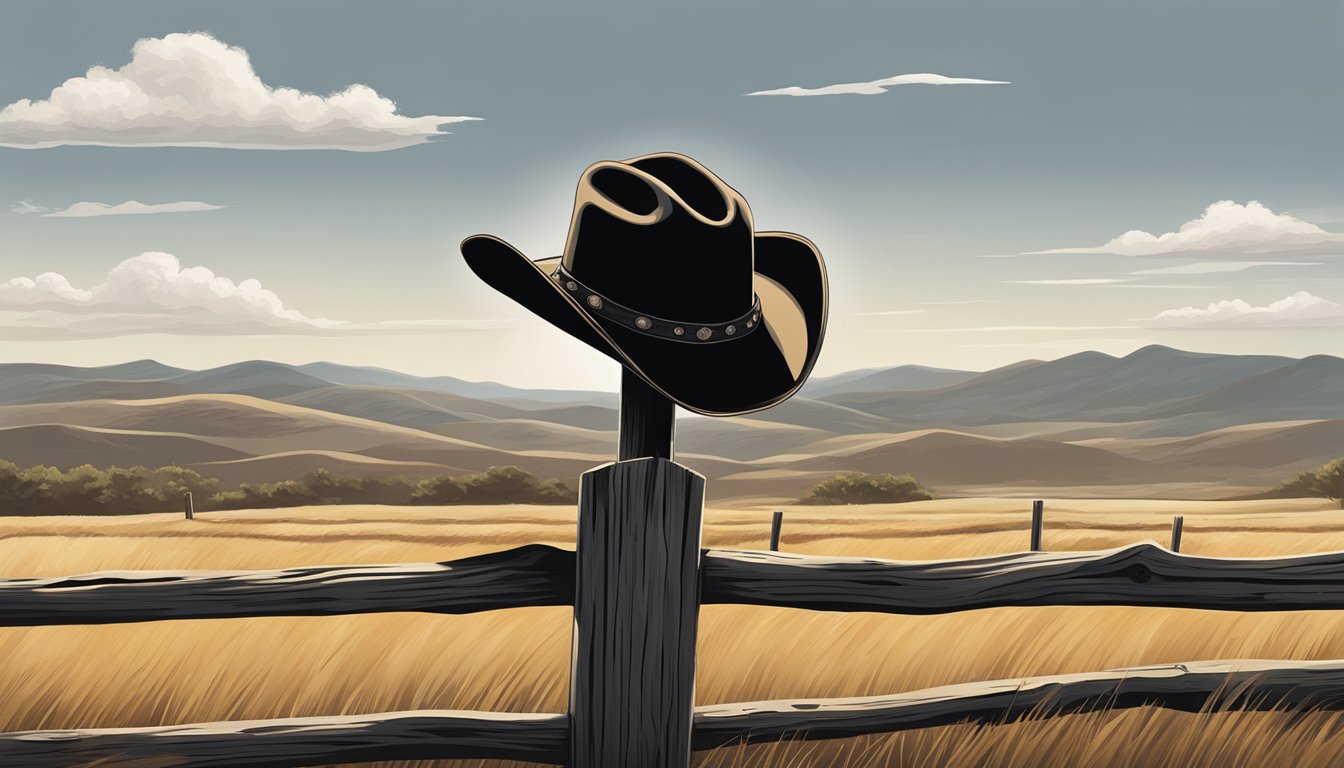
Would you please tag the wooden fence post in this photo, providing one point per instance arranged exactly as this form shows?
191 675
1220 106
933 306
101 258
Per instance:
636 599
1037 523
186 505
776 523
1177 523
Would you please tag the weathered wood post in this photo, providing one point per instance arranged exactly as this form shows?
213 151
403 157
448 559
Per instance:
636 597
186 505
1177 523
776 523
1037 523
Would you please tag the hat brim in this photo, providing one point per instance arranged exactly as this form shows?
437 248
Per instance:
725 378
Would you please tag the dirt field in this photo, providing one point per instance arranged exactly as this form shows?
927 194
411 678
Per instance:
192 671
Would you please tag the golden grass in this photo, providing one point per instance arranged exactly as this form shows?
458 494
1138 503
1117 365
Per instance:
193 671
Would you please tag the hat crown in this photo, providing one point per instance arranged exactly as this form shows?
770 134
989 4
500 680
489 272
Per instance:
664 236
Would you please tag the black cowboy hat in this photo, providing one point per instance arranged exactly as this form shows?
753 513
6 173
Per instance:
663 272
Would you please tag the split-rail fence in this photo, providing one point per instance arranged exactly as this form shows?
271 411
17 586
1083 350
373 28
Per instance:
1139 575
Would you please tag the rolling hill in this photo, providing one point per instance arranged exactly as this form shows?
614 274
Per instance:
1185 420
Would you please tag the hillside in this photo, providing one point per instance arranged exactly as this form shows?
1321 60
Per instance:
1191 423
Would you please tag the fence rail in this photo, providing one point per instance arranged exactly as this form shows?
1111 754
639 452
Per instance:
300 741
538 575
531 575
544 738
1137 575
1192 686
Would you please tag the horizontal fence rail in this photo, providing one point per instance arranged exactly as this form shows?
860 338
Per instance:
539 575
300 741
1243 684
532 575
544 738
1137 575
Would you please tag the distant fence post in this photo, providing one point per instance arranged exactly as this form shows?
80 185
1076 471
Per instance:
1177 523
186 505
636 599
1037 523
776 523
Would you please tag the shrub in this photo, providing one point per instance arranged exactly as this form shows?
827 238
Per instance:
86 490
864 488
1330 481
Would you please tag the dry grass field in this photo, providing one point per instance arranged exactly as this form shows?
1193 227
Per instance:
192 671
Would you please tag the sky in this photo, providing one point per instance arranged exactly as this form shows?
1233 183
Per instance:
987 181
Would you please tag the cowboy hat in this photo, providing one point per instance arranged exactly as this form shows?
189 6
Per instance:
663 272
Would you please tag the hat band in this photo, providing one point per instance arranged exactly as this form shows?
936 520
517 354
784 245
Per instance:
676 330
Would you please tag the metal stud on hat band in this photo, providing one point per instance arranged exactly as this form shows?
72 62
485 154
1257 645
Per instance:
675 330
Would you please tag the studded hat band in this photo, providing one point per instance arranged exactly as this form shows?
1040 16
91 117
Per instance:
676 330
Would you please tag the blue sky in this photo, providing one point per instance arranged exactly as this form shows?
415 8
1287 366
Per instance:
927 201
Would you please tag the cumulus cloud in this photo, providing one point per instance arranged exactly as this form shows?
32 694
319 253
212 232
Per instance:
25 207
153 290
154 293
874 87
191 90
1301 309
1225 227
130 207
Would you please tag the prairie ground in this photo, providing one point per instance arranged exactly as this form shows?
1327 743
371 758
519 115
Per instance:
193 671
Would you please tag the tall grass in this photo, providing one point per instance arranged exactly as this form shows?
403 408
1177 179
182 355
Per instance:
193 671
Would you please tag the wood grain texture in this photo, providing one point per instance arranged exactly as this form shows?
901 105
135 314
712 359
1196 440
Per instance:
1137 575
1249 684
299 741
632 680
526 576
647 421
1037 524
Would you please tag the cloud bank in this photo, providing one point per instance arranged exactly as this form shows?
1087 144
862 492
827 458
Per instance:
1225 227
130 207
1300 310
191 90
874 87
154 293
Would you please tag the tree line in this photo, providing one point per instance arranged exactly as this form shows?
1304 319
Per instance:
88 490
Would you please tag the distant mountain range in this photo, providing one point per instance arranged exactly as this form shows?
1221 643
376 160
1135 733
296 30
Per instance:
1158 421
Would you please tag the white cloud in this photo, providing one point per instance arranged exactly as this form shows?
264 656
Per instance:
154 290
85 209
1225 227
154 293
1212 267
1072 281
25 207
191 90
1301 309
874 87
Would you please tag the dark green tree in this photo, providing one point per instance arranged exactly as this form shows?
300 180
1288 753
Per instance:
864 488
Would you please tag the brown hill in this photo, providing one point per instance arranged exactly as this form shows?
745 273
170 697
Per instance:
939 456
65 446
